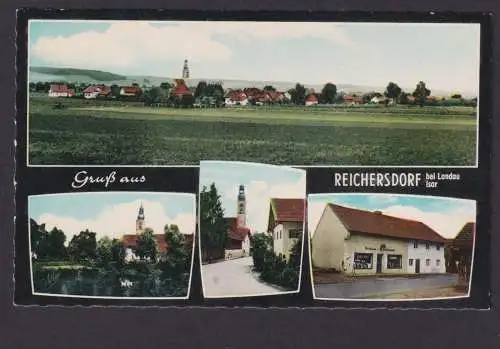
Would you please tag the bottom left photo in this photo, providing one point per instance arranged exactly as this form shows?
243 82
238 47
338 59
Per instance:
112 244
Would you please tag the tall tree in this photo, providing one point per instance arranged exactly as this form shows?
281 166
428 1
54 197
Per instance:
117 252
298 94
154 96
83 247
104 250
269 88
201 89
328 93
146 245
403 98
213 232
178 257
166 86
392 91
421 93
55 240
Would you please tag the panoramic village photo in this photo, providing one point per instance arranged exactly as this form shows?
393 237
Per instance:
112 244
298 94
390 247
251 228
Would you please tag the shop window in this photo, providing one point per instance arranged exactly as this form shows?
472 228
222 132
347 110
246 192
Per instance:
394 261
363 261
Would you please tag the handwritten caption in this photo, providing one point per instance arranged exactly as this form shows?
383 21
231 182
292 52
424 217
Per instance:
82 178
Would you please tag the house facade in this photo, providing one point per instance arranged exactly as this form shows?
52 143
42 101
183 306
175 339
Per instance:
61 90
236 98
130 91
460 251
286 224
311 99
94 91
362 242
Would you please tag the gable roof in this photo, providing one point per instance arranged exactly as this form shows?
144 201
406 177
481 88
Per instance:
181 89
130 240
466 235
233 231
377 223
288 210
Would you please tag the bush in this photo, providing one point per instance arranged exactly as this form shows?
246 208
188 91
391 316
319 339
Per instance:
274 269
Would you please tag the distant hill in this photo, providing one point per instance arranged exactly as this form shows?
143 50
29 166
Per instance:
72 72
96 76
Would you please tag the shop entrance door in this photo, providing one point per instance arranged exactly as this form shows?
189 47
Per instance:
379 262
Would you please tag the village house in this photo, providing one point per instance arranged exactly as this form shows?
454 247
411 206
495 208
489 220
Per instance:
180 89
236 98
61 90
311 99
94 91
460 251
238 234
365 242
286 224
130 91
130 241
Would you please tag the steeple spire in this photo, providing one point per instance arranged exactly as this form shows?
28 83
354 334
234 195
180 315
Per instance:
185 70
139 223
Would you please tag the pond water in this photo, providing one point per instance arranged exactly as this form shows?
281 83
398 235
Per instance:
99 283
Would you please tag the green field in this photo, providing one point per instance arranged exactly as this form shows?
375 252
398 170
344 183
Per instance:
114 133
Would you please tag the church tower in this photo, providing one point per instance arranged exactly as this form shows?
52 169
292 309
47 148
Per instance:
241 209
185 70
139 223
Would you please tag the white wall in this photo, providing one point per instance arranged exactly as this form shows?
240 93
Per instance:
282 243
422 253
327 244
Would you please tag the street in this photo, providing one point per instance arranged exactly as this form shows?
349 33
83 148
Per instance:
233 278
367 288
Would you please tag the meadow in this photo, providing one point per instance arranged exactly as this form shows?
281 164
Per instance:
117 133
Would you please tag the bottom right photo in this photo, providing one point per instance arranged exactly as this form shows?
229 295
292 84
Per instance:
390 246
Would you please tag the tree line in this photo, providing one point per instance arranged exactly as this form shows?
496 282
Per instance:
213 94
84 248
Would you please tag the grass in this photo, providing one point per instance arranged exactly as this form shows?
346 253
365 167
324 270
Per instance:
117 133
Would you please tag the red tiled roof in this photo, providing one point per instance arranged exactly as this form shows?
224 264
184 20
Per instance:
102 89
181 89
131 89
130 240
237 96
289 210
233 231
311 98
377 223
59 88
466 235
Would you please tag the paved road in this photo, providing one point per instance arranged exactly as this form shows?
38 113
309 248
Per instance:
233 278
363 288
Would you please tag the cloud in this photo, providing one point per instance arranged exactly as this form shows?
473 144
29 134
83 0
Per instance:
314 212
382 199
447 224
127 44
119 219
279 30
258 195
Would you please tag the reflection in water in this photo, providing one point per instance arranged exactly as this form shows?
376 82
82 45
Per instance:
101 283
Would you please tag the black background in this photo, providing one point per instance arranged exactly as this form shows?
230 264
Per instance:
131 328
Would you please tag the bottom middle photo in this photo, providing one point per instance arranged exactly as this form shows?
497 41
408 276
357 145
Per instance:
251 223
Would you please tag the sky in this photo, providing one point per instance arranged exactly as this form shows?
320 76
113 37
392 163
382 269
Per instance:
262 182
113 214
444 55
445 215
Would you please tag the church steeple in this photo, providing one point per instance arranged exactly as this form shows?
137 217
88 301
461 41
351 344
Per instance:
241 208
139 223
185 70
